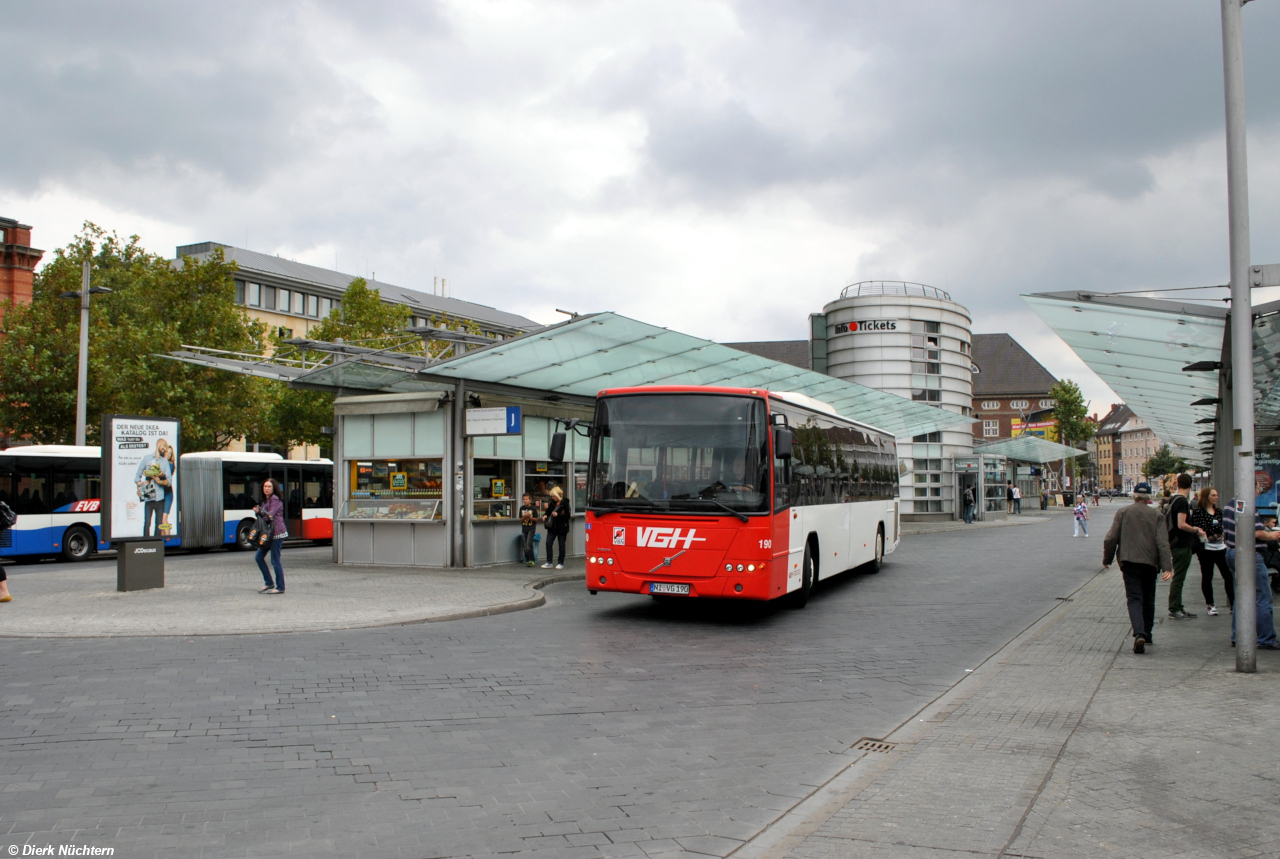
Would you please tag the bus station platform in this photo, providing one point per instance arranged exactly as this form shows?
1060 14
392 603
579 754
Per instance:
217 594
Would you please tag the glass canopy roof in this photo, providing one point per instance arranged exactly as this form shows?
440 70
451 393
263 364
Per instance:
591 353
1138 346
1029 448
580 358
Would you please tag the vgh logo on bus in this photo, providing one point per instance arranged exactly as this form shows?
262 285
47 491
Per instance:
666 538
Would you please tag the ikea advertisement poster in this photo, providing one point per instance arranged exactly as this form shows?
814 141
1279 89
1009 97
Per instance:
140 473
1266 476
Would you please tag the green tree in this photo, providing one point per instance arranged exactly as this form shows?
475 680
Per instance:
298 416
155 307
1163 462
1071 413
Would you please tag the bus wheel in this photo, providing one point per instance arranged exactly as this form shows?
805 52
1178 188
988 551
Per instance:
878 562
800 598
78 543
242 535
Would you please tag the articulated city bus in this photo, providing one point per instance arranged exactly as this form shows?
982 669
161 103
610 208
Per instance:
56 491
733 492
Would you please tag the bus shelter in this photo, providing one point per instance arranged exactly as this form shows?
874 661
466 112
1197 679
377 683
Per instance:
1022 455
432 456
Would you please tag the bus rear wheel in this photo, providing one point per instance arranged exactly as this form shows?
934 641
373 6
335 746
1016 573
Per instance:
877 563
78 543
242 535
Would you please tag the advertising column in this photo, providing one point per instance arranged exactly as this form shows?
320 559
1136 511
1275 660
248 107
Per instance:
140 459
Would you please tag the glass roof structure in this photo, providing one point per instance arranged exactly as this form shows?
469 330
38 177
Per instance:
580 358
1138 346
591 353
1029 448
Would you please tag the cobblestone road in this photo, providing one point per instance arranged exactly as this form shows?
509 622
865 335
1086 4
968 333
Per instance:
593 726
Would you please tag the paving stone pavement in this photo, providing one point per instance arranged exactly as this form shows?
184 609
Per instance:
607 726
1069 745
217 594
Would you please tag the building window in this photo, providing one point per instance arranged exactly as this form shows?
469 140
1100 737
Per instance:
1046 404
268 298
282 300
239 292
296 305
933 437
966 411
325 307
284 333
1018 404
255 294
991 405
313 305
964 347
990 429
929 395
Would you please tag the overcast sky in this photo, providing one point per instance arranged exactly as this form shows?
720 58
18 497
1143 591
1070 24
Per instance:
720 168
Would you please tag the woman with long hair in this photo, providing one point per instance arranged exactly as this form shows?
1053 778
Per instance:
1213 551
272 507
557 520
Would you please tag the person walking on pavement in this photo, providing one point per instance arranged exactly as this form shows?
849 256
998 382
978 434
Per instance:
272 507
1265 627
528 528
1008 497
1207 516
1081 513
1184 539
968 505
1017 498
557 526
1139 541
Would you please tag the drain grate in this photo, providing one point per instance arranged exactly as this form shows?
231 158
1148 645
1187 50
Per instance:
866 744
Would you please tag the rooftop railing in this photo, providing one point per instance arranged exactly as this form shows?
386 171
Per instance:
893 287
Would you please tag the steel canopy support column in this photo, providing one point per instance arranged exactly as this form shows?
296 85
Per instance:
1223 465
458 455
1241 332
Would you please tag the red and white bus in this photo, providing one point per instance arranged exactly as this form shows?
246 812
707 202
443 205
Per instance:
733 492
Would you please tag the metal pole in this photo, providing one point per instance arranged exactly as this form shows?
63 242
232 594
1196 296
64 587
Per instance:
82 388
1241 333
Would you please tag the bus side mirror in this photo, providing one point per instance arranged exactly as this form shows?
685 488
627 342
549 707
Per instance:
557 447
781 443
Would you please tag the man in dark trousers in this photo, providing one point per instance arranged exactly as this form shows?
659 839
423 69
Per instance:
1184 539
1139 539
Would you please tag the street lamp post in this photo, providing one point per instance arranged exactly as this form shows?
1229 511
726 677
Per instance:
1241 332
82 384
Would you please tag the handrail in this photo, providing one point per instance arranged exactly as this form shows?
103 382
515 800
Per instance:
893 287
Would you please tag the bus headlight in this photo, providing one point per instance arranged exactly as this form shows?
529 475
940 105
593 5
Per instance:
751 568
611 562
739 567
728 568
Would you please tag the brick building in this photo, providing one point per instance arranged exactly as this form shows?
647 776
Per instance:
1009 386
1138 443
18 261
1106 447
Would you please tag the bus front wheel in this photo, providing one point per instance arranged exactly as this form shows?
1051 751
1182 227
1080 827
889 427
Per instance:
78 543
800 598
242 535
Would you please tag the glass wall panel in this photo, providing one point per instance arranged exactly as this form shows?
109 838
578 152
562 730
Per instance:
395 489
508 446
428 434
392 435
537 438
482 445
357 436
493 489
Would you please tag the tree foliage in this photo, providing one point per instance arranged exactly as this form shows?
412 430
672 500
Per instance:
298 416
1163 462
154 307
1071 414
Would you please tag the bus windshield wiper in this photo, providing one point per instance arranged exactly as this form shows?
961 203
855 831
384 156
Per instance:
723 506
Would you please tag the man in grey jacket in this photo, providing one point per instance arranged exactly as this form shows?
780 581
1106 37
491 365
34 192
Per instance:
1138 537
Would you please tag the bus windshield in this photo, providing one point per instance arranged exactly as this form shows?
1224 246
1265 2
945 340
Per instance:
692 453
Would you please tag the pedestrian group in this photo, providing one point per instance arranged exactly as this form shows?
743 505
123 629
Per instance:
1148 541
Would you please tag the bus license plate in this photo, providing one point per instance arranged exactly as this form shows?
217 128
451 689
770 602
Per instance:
668 588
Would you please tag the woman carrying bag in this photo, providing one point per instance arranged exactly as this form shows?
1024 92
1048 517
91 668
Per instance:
557 520
271 514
